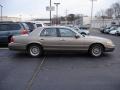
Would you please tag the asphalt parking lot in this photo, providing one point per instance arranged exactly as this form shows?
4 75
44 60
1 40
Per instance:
65 71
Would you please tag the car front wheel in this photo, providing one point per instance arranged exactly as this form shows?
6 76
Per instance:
35 50
96 50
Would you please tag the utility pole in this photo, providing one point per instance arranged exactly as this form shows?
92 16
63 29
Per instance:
1 11
66 12
50 13
91 13
57 20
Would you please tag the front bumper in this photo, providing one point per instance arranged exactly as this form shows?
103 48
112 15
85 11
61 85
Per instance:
109 49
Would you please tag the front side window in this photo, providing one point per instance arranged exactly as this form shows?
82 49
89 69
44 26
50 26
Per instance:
49 32
67 33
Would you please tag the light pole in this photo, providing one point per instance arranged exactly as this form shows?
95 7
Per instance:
92 13
57 12
66 12
50 13
1 11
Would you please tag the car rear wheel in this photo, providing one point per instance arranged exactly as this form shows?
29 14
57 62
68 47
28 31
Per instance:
96 50
35 50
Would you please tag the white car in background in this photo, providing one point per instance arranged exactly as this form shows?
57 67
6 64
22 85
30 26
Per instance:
114 32
81 30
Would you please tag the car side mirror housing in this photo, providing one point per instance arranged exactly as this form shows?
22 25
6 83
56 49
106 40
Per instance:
77 36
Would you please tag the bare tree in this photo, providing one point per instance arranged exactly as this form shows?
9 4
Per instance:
116 8
109 12
102 15
71 17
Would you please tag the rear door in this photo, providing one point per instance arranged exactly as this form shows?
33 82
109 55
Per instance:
49 39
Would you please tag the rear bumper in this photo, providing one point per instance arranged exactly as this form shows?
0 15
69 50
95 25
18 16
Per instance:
17 47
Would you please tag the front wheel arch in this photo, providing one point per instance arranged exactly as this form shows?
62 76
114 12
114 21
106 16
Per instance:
96 44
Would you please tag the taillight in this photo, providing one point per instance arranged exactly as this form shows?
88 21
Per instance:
11 40
24 31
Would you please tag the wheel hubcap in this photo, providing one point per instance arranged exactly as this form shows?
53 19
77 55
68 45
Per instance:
34 51
96 51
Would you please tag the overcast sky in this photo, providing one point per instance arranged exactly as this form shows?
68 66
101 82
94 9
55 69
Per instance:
36 8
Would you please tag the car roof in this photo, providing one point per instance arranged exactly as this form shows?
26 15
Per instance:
55 27
39 29
9 22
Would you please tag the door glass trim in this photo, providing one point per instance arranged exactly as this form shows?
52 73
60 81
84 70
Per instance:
46 35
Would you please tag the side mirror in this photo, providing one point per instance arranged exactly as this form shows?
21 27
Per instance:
77 36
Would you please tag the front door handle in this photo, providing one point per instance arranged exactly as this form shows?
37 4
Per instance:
62 40
42 39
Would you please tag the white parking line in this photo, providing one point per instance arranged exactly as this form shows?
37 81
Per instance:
36 72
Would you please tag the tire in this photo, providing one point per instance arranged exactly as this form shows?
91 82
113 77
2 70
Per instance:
117 33
35 50
96 50
9 38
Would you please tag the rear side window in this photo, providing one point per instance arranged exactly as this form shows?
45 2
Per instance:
25 26
31 26
49 32
3 27
6 27
14 27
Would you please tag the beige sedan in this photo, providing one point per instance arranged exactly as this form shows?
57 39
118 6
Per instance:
56 38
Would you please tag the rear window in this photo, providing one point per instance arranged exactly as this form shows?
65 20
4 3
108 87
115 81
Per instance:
3 27
39 25
6 27
14 26
31 26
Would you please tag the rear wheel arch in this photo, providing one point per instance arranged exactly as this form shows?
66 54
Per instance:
35 49
34 44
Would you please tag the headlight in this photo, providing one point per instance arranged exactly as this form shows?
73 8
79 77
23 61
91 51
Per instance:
109 43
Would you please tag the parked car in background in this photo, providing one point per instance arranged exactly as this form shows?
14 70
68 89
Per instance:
40 25
84 30
110 29
81 30
57 38
115 32
102 29
8 29
32 26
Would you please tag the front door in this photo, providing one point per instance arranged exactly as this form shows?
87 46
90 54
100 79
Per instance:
68 41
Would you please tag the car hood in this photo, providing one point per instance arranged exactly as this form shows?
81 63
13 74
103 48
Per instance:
96 38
